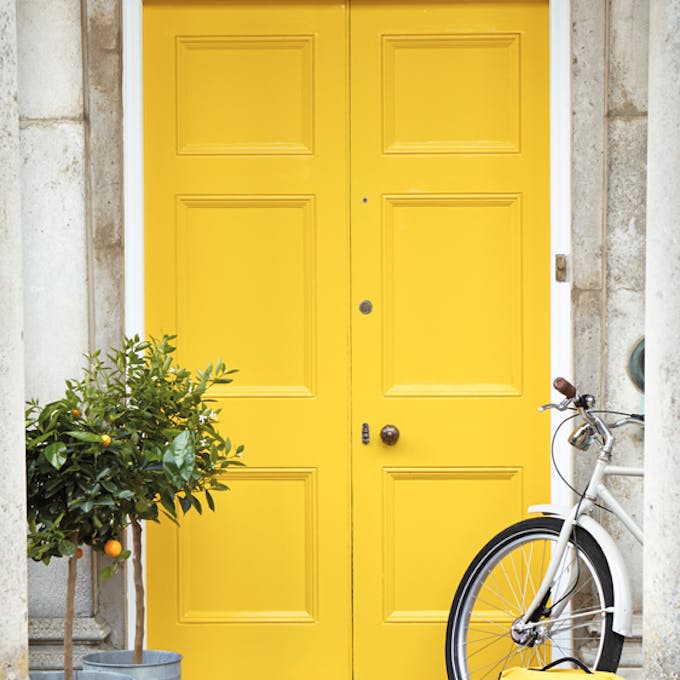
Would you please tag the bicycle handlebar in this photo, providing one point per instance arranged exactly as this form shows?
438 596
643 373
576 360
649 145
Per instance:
563 386
584 404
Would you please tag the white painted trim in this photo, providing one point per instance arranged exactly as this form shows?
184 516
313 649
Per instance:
133 166
561 362
133 207
561 344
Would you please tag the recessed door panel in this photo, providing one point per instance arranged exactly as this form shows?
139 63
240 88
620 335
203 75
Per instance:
475 109
465 344
268 243
228 87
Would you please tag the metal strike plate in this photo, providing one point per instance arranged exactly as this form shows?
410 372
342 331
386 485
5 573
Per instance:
560 268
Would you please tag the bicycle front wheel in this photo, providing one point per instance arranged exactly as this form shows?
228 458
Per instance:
484 633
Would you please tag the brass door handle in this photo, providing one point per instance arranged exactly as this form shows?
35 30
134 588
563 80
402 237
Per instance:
389 434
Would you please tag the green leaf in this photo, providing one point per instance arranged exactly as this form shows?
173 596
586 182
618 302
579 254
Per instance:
209 499
197 505
141 506
185 503
67 548
56 454
179 458
169 506
125 494
85 436
107 572
32 443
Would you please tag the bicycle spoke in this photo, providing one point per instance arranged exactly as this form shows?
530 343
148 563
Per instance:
500 597
507 578
486 646
498 594
527 576
527 567
494 664
494 607
496 637
492 575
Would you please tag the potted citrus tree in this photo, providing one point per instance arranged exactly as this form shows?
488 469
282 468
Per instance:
170 459
71 498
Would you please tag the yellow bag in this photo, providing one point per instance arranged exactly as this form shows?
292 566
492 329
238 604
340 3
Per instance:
533 673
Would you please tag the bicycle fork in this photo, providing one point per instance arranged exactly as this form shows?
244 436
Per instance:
537 608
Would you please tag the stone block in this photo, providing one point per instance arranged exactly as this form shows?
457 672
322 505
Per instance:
625 326
588 143
47 588
103 24
46 641
55 256
50 59
104 105
626 204
628 57
587 311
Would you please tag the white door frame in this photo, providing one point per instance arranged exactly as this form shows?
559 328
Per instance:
561 344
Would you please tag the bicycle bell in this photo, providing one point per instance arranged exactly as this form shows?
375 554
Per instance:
582 437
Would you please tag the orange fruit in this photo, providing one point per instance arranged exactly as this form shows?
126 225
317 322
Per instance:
112 547
79 552
75 412
106 440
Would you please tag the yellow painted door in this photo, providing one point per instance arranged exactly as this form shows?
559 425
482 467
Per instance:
450 243
247 259
330 558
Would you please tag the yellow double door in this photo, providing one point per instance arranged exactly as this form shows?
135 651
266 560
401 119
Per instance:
349 203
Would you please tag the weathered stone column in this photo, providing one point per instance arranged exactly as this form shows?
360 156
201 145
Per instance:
13 622
662 351
57 269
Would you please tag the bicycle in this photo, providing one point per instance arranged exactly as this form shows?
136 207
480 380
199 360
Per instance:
551 584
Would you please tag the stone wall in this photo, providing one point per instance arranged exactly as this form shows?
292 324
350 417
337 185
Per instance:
610 42
70 118
13 648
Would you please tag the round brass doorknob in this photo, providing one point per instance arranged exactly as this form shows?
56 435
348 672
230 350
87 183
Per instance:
389 434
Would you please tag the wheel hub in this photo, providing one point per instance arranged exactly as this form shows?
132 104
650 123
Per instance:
528 636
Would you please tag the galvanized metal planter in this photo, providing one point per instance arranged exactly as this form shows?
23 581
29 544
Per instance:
156 665
88 674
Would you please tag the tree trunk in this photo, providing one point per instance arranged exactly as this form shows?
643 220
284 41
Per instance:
68 620
139 591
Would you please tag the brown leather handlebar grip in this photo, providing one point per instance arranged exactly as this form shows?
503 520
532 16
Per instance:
564 387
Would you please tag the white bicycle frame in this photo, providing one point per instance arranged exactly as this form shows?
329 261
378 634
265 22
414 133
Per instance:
579 515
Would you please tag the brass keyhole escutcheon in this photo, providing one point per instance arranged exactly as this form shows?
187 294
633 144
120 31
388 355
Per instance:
365 306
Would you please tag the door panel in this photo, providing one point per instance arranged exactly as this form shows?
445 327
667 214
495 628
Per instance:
449 195
247 259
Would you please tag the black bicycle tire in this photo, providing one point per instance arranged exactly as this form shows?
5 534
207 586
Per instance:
613 642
